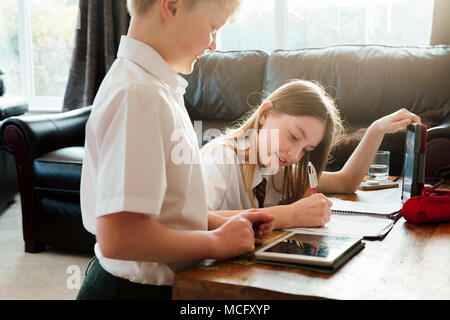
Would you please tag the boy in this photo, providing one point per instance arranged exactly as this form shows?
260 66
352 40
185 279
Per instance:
148 212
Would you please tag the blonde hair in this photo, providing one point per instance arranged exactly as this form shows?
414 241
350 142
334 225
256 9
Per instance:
138 7
296 98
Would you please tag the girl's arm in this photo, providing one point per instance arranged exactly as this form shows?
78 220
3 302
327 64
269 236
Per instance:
313 211
347 180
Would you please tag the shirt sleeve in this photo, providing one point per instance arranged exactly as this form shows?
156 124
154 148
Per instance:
219 165
133 144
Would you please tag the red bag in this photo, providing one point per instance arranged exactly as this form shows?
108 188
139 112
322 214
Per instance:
431 206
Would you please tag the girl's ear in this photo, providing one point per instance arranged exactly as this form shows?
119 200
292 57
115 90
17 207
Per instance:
169 9
265 106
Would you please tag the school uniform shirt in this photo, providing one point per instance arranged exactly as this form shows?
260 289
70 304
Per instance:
142 155
225 179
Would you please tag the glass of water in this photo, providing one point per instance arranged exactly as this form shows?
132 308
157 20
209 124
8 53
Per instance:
379 169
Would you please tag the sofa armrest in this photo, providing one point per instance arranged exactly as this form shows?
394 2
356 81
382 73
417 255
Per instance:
438 151
440 131
11 106
44 133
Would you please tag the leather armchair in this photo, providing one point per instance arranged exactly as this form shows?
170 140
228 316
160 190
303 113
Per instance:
223 87
9 106
49 153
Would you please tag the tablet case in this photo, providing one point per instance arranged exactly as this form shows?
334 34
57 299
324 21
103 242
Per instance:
322 269
418 177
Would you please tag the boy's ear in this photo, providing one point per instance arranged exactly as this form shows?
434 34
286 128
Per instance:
169 9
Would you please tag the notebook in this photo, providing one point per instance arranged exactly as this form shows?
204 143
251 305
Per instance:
369 220
380 210
367 227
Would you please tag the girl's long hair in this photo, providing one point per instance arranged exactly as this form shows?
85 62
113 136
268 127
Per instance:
296 98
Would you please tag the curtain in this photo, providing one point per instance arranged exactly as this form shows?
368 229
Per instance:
440 33
102 23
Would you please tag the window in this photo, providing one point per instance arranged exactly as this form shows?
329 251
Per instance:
254 29
37 40
296 24
37 36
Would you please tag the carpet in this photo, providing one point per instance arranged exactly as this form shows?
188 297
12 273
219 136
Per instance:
48 275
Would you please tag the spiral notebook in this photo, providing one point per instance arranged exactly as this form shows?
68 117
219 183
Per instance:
379 210
369 220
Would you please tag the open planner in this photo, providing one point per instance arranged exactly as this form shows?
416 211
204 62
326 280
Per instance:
369 220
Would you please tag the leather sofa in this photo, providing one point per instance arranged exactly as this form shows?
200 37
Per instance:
367 82
9 106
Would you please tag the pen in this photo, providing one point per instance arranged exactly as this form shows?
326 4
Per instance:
312 175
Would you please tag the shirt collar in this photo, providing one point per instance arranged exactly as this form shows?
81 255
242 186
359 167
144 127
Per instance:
267 174
147 57
257 177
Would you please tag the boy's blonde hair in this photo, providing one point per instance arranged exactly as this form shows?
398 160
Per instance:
296 98
138 7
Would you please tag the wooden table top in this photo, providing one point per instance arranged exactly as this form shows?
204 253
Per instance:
411 262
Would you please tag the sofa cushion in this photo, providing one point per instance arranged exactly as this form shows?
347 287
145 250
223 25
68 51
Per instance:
225 85
59 170
369 81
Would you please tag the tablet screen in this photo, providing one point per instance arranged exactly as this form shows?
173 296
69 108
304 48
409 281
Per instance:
313 245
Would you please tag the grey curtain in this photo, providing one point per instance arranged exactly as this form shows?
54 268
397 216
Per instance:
102 23
440 33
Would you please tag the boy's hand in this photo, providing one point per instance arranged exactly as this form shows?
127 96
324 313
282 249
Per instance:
313 211
237 235
262 223
396 121
234 238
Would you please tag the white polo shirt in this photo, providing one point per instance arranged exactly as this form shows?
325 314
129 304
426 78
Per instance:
225 179
137 137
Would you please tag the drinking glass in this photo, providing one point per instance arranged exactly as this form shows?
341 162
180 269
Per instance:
379 169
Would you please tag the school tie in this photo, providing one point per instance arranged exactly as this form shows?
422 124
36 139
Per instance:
260 192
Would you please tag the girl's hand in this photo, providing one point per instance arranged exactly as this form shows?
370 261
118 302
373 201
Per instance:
313 211
396 121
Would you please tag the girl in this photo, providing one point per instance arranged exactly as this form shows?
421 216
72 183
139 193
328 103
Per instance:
305 124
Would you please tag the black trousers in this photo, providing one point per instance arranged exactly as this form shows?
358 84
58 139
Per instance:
101 285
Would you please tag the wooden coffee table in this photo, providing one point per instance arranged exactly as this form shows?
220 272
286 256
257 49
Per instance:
411 262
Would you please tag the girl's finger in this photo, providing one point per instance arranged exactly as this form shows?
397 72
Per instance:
255 217
258 241
264 226
416 119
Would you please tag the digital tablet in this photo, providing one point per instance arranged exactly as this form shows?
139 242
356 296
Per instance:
414 161
310 249
375 185
433 182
